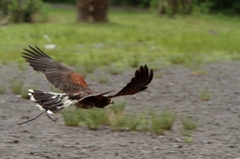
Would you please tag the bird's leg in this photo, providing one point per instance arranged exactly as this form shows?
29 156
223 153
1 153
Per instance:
51 118
29 120
54 120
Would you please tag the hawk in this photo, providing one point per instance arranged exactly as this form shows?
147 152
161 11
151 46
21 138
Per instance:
74 88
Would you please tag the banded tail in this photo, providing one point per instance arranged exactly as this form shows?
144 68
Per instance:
49 101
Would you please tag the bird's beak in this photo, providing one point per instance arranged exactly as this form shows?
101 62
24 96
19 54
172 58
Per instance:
111 101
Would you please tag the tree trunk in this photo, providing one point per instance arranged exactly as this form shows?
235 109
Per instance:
186 6
169 7
92 10
172 7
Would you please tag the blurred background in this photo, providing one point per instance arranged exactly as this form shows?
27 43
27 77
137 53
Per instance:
95 33
190 110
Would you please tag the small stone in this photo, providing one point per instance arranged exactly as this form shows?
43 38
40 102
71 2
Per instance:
208 142
178 140
50 46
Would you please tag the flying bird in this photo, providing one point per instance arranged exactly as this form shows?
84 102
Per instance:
74 88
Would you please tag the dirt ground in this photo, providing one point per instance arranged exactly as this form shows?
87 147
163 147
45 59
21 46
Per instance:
217 135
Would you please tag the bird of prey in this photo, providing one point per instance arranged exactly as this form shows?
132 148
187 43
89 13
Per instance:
75 90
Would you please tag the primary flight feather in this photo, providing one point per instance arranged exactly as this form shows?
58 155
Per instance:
75 90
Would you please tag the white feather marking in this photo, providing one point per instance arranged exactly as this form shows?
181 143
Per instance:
63 98
54 93
66 101
30 90
74 102
40 107
49 112
32 99
53 97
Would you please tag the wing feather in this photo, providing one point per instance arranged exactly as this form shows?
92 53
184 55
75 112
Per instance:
57 74
143 76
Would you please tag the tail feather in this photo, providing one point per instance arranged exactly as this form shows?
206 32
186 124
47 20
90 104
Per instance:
49 101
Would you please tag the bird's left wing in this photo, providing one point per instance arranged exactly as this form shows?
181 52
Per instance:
143 76
57 74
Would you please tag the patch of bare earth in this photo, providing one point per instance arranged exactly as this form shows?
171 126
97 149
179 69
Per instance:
217 135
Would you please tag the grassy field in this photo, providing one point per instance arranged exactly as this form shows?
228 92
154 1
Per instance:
131 38
117 119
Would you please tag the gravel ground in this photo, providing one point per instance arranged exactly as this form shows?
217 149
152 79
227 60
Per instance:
216 137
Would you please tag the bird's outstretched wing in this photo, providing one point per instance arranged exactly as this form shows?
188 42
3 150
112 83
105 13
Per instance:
143 76
58 75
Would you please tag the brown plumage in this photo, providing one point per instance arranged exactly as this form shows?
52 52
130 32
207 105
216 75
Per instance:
74 87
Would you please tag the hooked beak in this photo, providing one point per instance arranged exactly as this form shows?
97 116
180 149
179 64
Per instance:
111 101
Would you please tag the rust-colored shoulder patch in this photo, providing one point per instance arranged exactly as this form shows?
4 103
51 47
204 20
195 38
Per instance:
78 79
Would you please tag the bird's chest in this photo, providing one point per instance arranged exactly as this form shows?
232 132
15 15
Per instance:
85 104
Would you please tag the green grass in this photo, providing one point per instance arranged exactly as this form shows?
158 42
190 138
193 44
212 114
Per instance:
103 80
188 140
130 39
2 89
189 125
205 94
134 61
198 72
158 75
116 68
24 94
162 122
115 116
89 68
22 67
16 87
93 118
69 118
117 119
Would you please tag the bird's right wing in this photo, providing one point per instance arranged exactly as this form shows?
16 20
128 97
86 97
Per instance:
58 75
